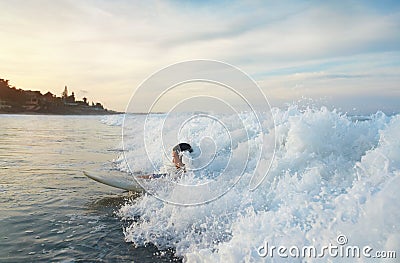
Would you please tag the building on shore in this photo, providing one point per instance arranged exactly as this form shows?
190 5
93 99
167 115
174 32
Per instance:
4 105
32 102
14 100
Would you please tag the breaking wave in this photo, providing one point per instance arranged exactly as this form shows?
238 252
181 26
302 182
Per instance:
332 174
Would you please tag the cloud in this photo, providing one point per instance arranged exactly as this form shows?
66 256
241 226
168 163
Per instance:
112 46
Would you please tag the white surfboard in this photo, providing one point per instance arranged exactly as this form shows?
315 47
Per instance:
124 182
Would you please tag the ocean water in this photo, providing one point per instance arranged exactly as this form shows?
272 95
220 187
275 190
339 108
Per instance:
49 211
333 180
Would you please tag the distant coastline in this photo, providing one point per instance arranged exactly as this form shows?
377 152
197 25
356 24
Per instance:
18 101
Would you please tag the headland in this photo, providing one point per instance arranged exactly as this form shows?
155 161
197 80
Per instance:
18 101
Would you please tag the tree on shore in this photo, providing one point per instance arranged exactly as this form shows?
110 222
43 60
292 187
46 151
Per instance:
11 94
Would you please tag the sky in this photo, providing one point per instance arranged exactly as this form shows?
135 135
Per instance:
345 54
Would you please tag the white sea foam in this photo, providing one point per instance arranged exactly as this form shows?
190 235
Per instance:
113 120
331 175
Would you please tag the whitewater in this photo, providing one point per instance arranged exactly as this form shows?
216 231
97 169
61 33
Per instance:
329 175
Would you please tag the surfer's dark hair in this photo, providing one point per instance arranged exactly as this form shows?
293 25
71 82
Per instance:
182 147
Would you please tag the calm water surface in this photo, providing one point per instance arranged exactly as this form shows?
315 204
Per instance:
49 211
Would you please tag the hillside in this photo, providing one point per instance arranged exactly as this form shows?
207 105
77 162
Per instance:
15 101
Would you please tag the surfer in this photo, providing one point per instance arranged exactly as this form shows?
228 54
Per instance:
177 155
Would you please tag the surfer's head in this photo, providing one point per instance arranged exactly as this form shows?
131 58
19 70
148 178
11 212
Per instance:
177 153
182 147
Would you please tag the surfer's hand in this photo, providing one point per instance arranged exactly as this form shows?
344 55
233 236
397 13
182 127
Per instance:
180 165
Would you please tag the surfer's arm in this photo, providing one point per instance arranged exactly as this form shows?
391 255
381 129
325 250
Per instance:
177 160
147 176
